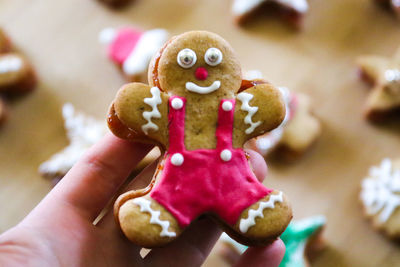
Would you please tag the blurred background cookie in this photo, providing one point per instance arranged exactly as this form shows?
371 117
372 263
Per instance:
302 238
291 11
132 49
393 5
380 195
82 132
299 130
383 73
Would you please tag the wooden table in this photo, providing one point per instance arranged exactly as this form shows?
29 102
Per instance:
60 38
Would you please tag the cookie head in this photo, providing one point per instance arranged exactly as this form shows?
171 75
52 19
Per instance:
196 64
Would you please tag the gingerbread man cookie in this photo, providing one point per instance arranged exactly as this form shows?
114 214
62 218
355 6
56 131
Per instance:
298 131
384 73
291 10
302 238
393 5
132 49
195 110
16 74
380 195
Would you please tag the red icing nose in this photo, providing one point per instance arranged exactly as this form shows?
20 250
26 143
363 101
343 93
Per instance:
201 73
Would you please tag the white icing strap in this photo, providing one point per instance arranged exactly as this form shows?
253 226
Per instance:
154 113
245 99
245 224
144 205
380 190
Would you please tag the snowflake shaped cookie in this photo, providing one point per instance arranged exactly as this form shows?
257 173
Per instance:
380 195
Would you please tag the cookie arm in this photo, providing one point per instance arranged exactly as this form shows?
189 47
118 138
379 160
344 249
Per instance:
140 113
259 109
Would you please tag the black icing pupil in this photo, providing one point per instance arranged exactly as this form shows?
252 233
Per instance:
187 59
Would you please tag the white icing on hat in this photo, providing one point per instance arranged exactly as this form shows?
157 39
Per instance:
107 35
149 43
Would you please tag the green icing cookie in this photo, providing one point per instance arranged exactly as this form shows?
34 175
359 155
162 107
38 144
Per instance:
295 238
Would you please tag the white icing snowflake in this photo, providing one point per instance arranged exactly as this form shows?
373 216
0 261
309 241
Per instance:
381 190
82 131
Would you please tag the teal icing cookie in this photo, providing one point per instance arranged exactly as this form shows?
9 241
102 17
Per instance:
295 237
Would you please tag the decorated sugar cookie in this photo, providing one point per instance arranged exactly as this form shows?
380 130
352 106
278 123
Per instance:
195 109
132 49
16 74
298 131
380 195
393 5
83 131
301 238
3 111
291 10
115 3
384 73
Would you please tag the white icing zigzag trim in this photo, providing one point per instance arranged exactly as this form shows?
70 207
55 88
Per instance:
380 190
154 113
245 99
245 224
144 205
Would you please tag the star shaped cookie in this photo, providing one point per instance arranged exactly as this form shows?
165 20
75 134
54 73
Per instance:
393 5
384 74
290 10
302 238
380 195
83 131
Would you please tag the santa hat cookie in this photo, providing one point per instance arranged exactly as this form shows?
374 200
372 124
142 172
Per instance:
132 49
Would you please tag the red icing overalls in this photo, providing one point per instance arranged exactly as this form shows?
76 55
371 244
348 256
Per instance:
217 180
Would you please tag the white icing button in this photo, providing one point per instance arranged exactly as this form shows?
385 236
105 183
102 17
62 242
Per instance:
177 103
227 106
226 155
177 159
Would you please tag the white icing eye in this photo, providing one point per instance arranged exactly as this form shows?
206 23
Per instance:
213 56
186 58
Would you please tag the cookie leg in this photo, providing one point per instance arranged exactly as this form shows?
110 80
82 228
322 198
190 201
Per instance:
147 223
264 221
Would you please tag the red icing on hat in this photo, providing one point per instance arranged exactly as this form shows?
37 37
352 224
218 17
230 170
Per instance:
123 44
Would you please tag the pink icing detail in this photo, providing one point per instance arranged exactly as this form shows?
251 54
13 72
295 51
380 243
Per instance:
293 103
123 44
204 182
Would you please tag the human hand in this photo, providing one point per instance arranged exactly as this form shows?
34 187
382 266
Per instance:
60 229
